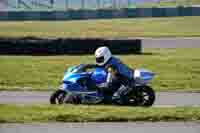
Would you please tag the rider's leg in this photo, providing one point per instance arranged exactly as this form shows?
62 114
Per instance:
125 87
117 96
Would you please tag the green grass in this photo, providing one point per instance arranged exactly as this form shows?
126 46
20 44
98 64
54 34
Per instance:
70 113
113 28
176 69
170 3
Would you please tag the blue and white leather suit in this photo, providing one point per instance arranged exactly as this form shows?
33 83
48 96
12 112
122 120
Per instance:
123 70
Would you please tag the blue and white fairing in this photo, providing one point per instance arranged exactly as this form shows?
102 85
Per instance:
143 76
71 84
71 77
99 75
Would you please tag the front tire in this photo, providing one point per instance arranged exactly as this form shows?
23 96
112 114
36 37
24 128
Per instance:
58 97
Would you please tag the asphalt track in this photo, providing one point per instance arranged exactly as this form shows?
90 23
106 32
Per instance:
171 43
141 127
164 99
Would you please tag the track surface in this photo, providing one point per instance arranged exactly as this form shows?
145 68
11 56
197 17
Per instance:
162 99
158 127
171 43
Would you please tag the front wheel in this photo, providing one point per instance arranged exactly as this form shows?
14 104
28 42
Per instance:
58 97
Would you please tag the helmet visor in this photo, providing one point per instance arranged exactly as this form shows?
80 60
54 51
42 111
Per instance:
100 59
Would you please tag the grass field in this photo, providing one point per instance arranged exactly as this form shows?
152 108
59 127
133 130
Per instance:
113 28
176 69
70 113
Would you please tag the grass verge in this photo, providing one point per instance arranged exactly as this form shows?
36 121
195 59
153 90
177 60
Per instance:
70 113
176 69
112 28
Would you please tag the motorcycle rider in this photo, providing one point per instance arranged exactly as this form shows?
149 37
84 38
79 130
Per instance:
117 72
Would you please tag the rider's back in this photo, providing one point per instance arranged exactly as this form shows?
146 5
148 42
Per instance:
122 68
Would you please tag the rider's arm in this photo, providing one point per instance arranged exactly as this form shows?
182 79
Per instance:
90 66
107 83
111 76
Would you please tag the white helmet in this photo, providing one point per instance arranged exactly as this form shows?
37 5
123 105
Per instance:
102 55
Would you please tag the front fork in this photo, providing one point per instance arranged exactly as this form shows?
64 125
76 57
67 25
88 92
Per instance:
80 97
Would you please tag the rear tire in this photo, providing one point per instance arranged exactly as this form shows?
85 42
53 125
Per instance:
143 96
146 96
58 97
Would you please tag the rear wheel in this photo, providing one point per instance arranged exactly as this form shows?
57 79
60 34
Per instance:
146 96
58 97
143 96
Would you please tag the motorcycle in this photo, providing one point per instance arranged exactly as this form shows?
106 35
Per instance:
80 86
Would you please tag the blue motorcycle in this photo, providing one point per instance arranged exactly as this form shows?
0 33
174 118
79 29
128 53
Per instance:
81 86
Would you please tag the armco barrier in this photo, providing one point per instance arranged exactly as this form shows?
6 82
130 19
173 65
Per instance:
171 12
100 14
131 13
158 12
195 11
144 12
34 46
188 11
3 15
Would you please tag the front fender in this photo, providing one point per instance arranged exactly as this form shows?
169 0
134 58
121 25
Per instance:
74 77
73 87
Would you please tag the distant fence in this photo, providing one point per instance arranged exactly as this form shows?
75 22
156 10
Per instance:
101 13
63 5
34 46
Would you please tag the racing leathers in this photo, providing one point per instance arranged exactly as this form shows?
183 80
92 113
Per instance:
123 78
